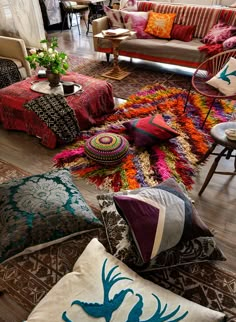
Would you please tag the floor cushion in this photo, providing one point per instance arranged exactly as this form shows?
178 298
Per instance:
102 288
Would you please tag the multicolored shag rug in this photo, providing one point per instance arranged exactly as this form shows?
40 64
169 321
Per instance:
147 167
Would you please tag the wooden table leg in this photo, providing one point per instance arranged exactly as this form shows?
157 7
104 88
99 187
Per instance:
116 72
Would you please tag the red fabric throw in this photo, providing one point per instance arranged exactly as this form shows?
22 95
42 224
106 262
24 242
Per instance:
211 50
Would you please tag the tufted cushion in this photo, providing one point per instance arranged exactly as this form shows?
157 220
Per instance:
107 148
160 24
149 130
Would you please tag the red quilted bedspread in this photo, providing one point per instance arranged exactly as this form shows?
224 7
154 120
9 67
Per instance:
91 106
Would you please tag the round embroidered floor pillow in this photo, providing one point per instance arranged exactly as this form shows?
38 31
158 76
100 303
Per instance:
107 148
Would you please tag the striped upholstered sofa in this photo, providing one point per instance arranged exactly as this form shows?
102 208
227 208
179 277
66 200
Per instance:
169 51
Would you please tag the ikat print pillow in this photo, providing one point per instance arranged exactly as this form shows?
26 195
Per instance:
122 245
102 288
225 79
41 209
164 214
114 17
160 24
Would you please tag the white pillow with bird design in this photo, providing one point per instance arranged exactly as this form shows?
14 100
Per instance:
102 288
225 79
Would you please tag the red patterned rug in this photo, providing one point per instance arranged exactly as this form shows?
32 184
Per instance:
148 166
28 278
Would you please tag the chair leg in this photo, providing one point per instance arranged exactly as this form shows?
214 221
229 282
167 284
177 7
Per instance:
206 155
209 110
212 170
78 23
108 57
64 20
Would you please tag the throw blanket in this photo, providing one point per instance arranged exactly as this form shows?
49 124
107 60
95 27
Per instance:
57 114
9 73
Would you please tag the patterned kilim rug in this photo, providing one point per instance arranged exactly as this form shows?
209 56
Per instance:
139 76
146 167
26 279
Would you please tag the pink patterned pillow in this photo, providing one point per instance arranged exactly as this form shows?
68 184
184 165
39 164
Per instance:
219 33
129 5
114 17
136 21
230 43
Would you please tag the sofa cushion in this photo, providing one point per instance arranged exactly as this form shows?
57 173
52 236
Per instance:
136 21
102 288
41 209
129 5
219 33
164 214
114 17
225 79
229 43
160 24
181 32
149 130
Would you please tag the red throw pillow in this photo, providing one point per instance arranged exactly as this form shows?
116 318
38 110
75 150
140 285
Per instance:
149 130
181 32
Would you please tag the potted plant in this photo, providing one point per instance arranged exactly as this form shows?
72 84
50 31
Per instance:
48 57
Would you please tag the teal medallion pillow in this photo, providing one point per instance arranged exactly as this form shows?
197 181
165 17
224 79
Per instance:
40 209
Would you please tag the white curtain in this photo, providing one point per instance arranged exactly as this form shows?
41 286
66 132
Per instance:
22 19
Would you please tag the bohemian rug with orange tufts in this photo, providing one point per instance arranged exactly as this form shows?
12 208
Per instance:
148 166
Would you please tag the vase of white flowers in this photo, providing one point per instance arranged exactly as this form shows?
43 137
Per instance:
55 62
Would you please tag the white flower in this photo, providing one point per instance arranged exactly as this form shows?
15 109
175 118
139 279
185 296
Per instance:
65 57
50 50
41 54
55 51
33 51
44 46
53 55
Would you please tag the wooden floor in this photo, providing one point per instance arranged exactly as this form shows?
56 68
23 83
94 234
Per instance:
217 205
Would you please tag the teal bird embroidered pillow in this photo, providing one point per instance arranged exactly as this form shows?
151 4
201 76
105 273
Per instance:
225 79
101 288
41 209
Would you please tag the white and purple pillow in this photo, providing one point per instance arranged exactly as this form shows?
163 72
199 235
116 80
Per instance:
159 218
229 43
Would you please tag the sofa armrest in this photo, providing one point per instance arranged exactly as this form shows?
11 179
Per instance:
99 25
14 48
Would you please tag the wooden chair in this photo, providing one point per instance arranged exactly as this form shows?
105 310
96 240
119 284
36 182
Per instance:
70 8
205 71
229 147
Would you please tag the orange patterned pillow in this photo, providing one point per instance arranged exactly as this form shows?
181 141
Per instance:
160 24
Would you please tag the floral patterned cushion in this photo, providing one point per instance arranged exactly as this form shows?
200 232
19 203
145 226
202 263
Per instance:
160 24
219 33
102 288
40 209
123 246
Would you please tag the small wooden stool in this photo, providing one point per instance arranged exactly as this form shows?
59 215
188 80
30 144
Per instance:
219 136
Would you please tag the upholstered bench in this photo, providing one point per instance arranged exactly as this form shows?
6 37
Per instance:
90 106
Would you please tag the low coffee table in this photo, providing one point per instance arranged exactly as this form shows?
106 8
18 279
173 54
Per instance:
90 106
